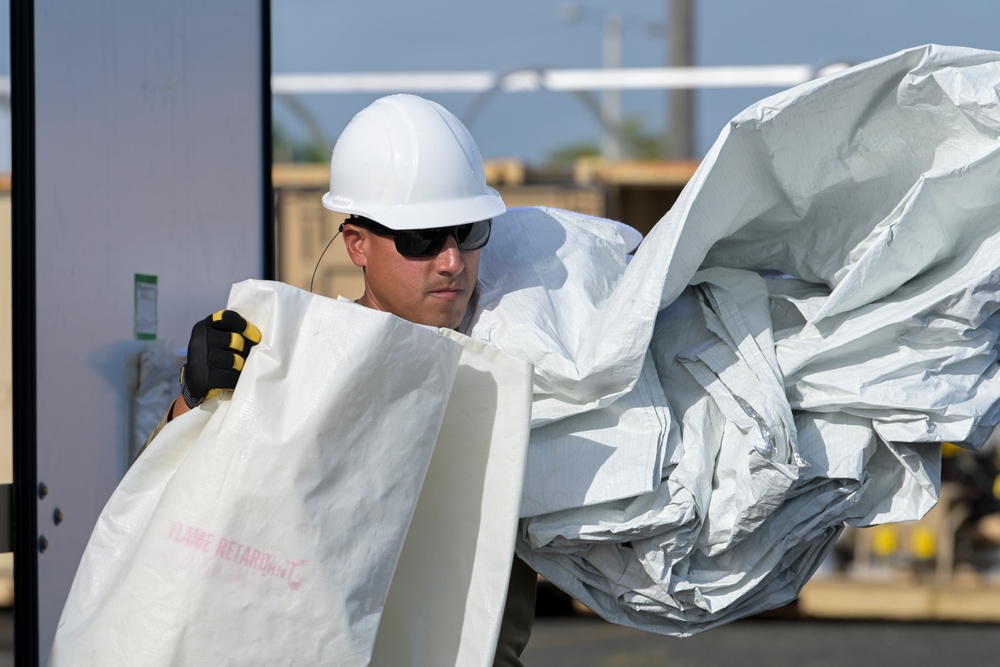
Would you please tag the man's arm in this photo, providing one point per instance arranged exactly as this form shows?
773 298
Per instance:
177 408
217 350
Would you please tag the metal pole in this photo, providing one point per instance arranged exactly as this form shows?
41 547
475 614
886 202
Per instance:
611 106
680 101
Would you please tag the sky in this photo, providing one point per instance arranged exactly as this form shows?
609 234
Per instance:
444 35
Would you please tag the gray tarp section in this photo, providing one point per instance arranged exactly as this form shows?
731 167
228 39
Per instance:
780 357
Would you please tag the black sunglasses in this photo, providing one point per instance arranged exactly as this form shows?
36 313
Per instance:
429 242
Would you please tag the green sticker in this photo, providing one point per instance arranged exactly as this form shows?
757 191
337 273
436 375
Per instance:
145 307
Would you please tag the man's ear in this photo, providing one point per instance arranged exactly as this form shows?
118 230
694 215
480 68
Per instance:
356 242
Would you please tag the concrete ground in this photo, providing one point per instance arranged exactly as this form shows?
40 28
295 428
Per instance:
589 642
584 641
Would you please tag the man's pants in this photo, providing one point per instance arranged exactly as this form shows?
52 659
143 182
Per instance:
518 615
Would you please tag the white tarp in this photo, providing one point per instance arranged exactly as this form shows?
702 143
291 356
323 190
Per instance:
781 355
355 500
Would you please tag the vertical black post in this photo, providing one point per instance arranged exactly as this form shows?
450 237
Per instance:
270 240
23 324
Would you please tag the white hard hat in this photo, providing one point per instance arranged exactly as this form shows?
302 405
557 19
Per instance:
409 163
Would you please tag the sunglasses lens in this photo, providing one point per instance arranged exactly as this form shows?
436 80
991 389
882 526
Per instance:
474 235
420 242
428 242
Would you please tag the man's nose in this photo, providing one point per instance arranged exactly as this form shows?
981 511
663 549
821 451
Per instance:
449 259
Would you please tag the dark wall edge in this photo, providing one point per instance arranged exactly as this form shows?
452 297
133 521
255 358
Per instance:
269 247
23 325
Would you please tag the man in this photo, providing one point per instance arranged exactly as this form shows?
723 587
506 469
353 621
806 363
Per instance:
410 177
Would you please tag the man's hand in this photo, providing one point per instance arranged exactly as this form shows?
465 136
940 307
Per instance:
218 347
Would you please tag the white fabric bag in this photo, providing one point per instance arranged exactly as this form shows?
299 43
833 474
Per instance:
266 529
447 597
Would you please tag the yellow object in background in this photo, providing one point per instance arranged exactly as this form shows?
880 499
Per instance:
885 540
923 543
950 449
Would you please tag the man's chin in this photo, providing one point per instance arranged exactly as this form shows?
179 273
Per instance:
446 318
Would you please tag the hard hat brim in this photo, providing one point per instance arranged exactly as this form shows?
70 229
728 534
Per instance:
425 215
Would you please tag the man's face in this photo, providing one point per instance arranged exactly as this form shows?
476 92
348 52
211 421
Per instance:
425 290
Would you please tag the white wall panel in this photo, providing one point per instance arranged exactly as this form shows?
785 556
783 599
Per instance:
149 159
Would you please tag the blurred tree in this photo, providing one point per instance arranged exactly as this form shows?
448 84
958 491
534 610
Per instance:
287 149
641 144
637 144
566 155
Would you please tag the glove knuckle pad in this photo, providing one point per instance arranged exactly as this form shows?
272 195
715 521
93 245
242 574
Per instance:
223 360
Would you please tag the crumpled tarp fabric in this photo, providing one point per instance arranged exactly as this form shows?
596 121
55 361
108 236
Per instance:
780 356
322 513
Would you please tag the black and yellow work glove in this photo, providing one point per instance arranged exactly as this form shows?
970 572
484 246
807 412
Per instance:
218 347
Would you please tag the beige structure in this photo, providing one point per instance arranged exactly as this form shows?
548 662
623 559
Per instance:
638 193
304 228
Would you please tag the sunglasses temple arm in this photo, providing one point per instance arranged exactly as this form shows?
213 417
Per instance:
321 255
